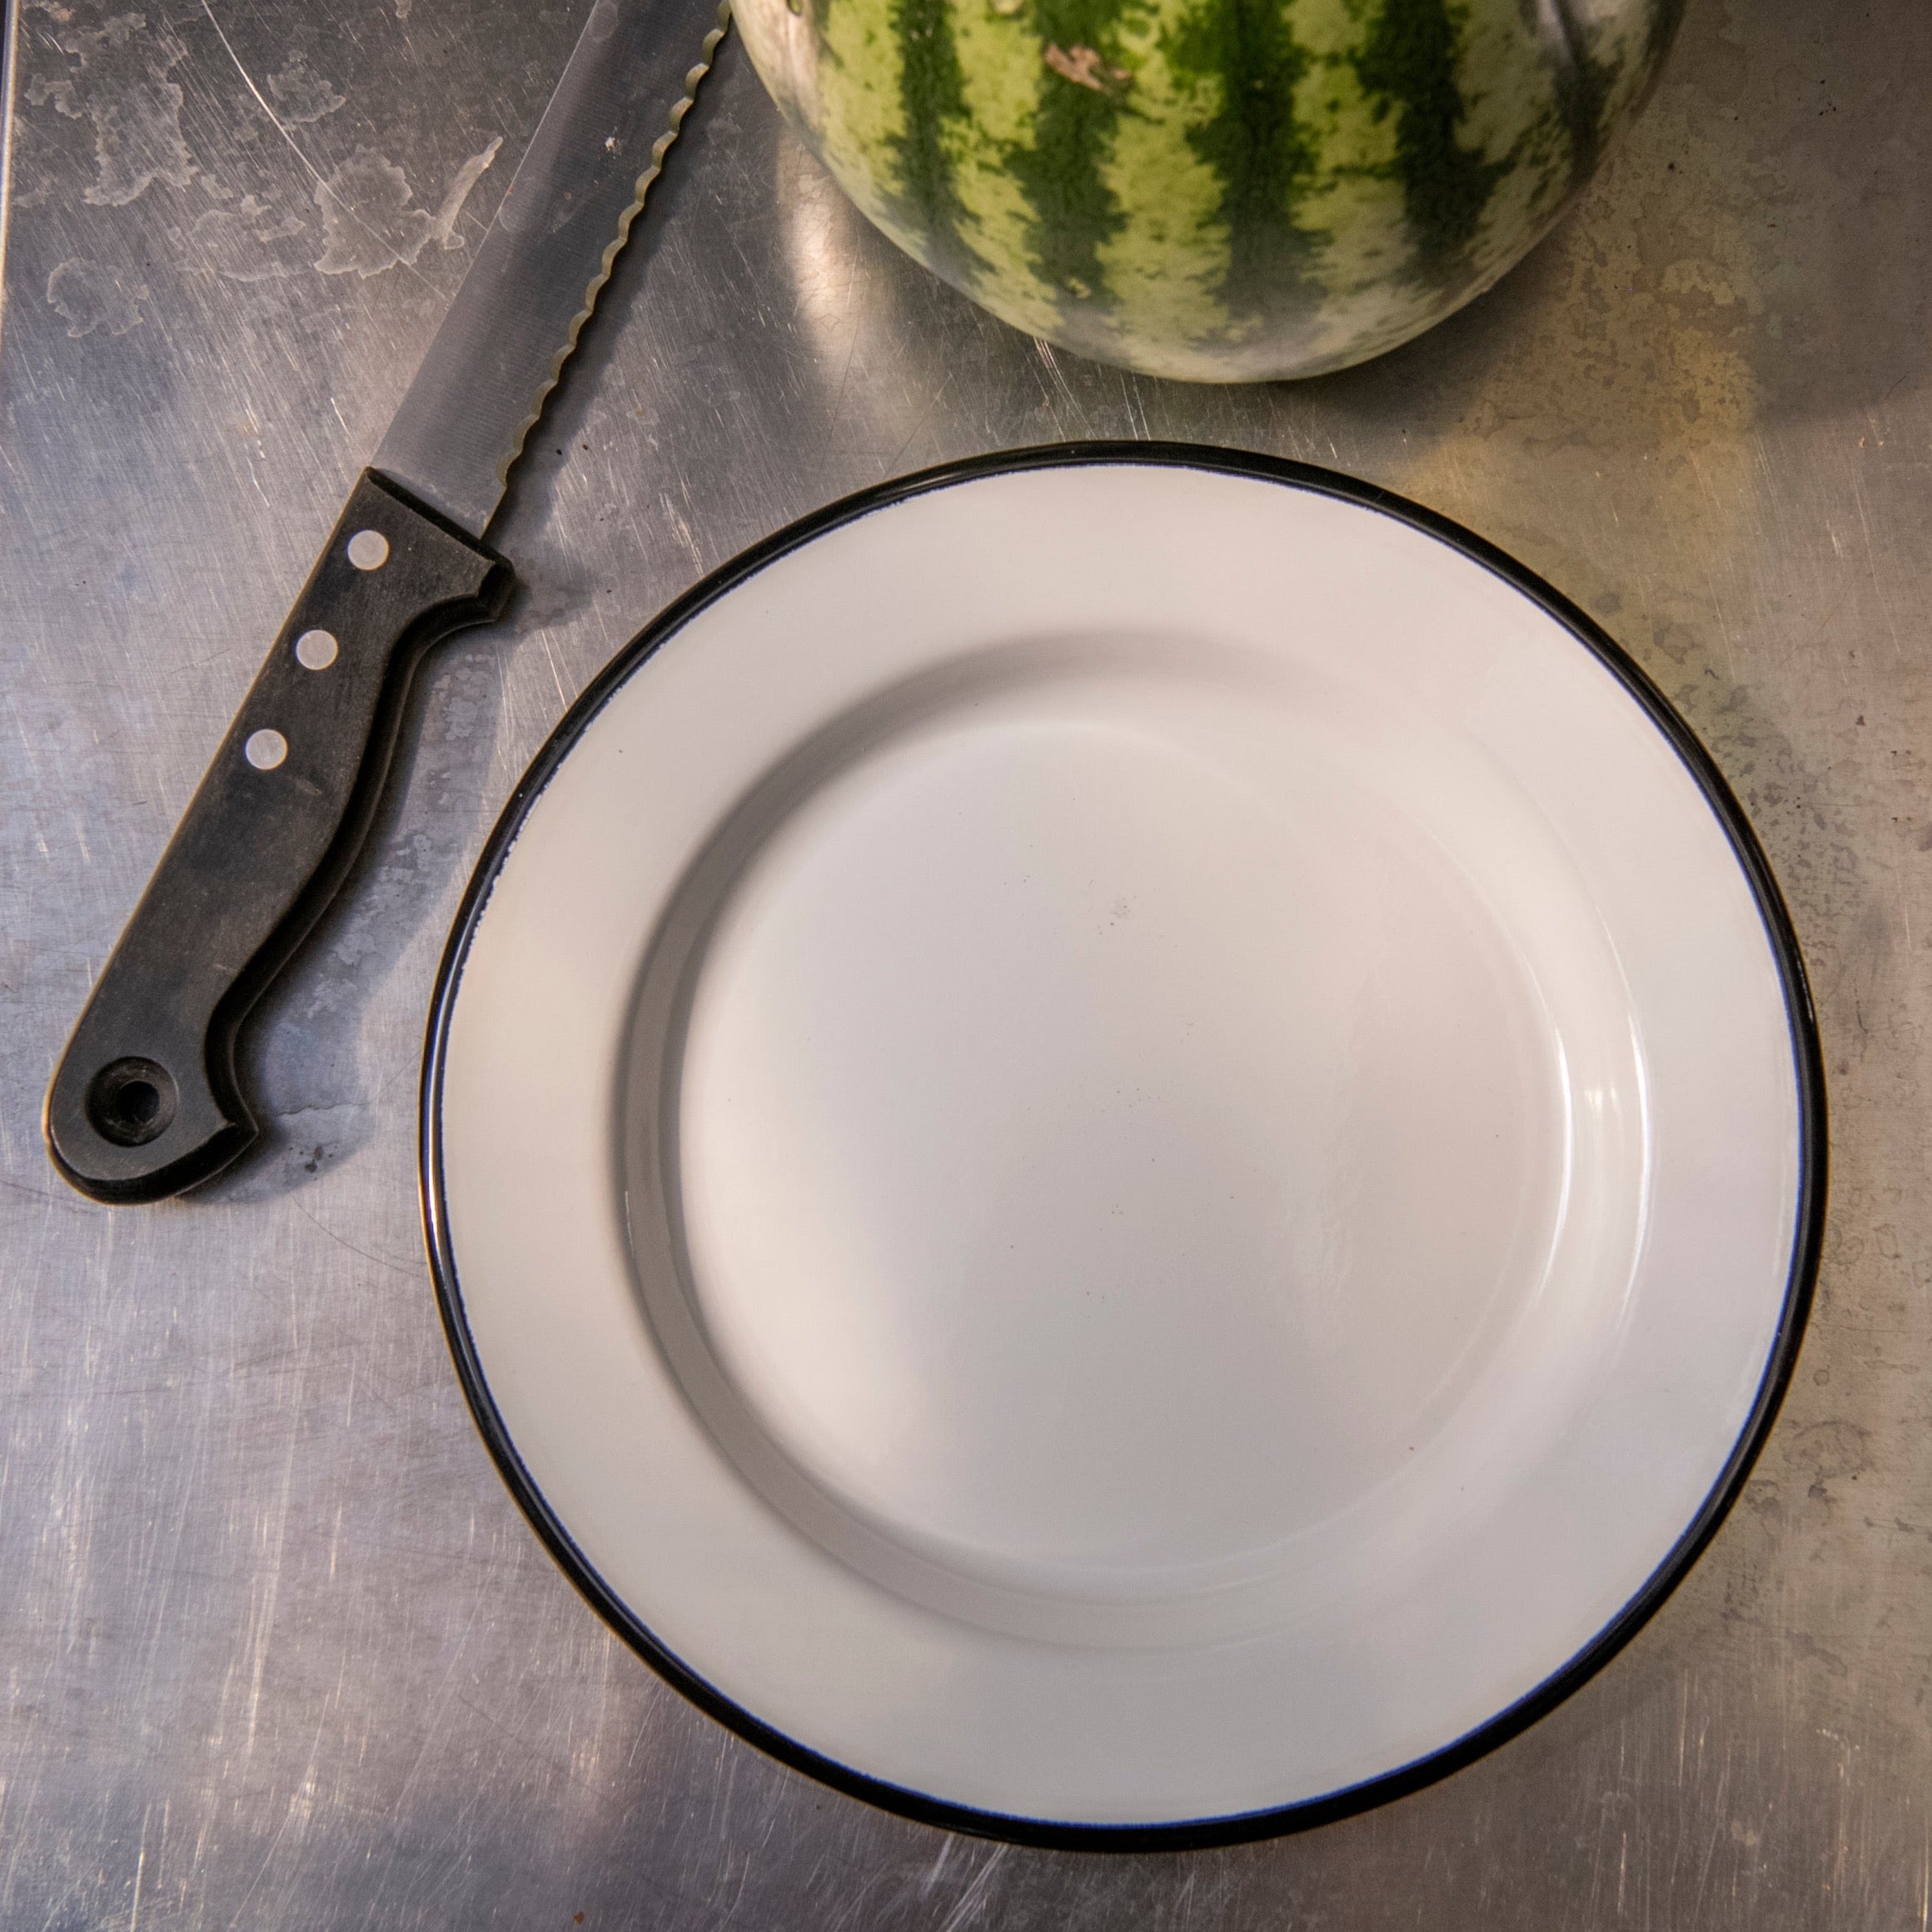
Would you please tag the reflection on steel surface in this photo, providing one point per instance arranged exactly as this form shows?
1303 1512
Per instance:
279 1649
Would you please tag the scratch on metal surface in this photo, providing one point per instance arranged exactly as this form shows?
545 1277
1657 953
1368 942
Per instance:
1717 610
45 1194
262 1625
140 1872
967 1908
441 1698
342 1241
261 100
925 416
241 1917
929 1879
844 376
1925 1879
556 669
1872 563
9 70
1132 403
1044 350
860 1906
681 525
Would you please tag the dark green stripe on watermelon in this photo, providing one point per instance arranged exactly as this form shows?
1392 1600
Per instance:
1252 143
1664 18
1075 213
932 91
1407 67
1582 87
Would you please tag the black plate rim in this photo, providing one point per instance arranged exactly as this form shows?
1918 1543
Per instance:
1187 1833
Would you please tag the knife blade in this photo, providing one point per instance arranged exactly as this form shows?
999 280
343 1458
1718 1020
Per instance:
145 1102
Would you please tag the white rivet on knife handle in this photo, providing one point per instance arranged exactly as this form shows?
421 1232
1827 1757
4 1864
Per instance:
369 549
264 749
315 651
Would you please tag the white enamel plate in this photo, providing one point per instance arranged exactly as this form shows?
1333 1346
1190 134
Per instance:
1123 1142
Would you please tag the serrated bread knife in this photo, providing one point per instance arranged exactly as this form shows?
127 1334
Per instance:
145 1101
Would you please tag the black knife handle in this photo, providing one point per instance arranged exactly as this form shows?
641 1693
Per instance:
145 1101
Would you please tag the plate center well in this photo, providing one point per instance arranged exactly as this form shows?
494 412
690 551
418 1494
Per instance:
1110 1134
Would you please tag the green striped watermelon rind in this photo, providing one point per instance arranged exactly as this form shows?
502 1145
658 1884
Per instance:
1218 189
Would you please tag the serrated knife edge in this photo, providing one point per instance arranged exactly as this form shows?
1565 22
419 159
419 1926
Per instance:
469 409
607 262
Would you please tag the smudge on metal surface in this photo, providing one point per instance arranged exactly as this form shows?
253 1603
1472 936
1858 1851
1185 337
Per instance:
92 297
119 83
461 182
301 94
369 217
240 244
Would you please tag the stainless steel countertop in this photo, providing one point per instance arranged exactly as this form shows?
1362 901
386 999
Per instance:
278 1648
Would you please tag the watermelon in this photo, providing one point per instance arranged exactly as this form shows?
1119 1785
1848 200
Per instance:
1219 189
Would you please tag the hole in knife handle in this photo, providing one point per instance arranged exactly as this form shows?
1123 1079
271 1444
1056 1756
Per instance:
131 1101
